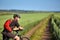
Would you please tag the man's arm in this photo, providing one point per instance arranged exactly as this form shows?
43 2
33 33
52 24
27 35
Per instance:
18 28
6 26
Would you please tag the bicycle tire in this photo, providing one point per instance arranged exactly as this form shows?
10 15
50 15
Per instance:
25 38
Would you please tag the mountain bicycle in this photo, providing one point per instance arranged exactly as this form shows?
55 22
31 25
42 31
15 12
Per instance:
21 37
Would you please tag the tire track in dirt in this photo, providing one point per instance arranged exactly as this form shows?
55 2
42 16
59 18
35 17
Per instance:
47 33
32 31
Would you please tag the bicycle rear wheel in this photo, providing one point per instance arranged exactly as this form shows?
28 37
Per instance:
25 38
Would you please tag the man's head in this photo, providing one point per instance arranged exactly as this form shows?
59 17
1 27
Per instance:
16 17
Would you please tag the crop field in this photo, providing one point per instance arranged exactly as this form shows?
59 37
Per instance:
27 20
56 26
36 25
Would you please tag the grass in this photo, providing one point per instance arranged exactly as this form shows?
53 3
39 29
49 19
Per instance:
39 33
56 28
57 14
26 20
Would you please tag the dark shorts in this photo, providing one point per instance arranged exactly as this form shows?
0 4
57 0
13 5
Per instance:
8 34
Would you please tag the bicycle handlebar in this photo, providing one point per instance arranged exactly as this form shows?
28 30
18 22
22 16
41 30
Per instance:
17 31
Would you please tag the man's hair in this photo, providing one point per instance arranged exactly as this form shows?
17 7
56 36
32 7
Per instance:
16 15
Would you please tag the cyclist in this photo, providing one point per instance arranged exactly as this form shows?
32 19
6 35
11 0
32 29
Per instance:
9 25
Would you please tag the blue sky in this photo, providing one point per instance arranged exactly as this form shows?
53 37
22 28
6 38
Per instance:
39 5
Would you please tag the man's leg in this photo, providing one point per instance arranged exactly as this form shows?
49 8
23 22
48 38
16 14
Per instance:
8 35
5 37
16 38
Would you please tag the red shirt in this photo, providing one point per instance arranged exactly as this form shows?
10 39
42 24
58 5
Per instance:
10 24
6 25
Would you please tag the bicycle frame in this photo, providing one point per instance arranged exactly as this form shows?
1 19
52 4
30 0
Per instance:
21 38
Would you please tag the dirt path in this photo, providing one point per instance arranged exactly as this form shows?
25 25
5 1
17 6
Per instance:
30 33
47 35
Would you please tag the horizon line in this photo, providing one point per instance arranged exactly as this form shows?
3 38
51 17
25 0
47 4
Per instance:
29 10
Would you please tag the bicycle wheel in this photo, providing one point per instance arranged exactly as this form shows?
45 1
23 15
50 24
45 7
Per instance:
25 38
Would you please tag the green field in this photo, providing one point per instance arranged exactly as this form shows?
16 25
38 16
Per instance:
56 26
25 21
28 21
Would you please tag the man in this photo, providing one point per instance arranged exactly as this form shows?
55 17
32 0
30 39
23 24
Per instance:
11 25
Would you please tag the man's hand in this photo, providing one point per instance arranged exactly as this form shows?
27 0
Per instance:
15 28
21 28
